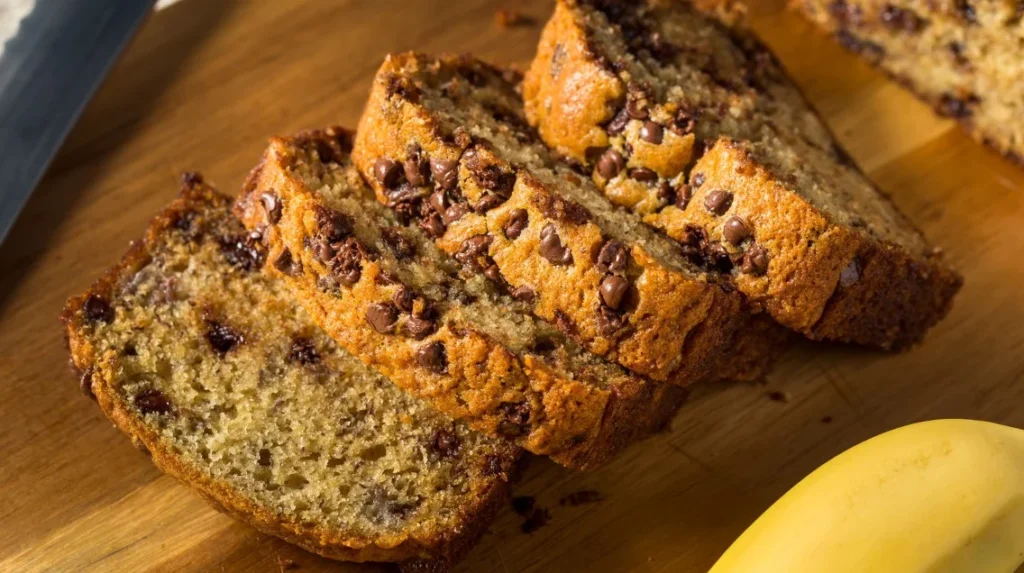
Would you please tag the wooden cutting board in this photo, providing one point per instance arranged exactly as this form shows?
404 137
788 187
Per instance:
207 82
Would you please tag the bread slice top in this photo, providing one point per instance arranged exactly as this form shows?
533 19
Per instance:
598 273
211 369
642 92
441 327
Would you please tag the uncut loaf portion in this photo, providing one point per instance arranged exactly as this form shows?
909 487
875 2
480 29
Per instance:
695 126
445 144
211 369
392 298
965 58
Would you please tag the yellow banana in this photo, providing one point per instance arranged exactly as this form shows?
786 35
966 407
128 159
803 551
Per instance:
942 496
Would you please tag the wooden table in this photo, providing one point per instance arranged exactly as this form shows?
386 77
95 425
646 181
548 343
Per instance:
203 86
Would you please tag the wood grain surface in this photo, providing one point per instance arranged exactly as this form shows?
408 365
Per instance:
204 85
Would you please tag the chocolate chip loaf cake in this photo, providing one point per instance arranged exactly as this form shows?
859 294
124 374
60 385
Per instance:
963 57
210 368
694 126
445 144
392 298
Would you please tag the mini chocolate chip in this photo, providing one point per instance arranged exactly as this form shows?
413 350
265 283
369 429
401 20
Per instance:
303 351
446 173
755 261
97 310
272 205
287 264
845 13
433 357
551 247
404 298
265 459
684 122
666 194
957 107
347 264
735 230
387 172
455 212
850 274
565 323
382 317
222 338
433 226
487 202
445 443
966 11
613 290
516 412
618 123
419 328
613 257
643 174
683 196
152 401
524 294
717 257
896 18
718 201
401 246
417 170
697 180
242 252
518 219
610 163
652 133
333 226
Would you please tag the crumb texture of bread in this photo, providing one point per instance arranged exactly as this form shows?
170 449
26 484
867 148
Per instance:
963 58
694 126
212 369
595 271
442 327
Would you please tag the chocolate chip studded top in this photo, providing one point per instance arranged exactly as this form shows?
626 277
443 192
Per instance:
234 390
642 94
372 275
545 224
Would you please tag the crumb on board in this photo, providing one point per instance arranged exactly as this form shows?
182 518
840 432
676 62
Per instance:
523 504
778 396
537 519
826 420
581 497
506 18
285 564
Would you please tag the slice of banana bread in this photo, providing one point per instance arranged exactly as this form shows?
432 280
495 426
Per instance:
695 126
444 142
963 57
392 298
210 368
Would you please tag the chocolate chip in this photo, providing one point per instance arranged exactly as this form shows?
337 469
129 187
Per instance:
684 122
551 247
347 264
419 328
637 103
487 202
433 226
755 261
265 459
272 205
718 201
643 174
445 443
613 290
492 466
850 274
901 19
401 246
845 14
303 351
438 201
387 172
242 252
610 163
333 226
717 257
287 264
455 212
382 317
446 173
517 418
404 298
222 338
735 230
472 248
97 310
957 107
152 401
417 169
433 357
611 323
697 180
559 209
493 273
518 220
618 123
683 196
613 257
652 133
524 294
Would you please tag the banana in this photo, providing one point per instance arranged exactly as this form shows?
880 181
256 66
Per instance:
941 496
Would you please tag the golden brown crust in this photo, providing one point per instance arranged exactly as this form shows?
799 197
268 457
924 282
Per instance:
666 339
578 424
570 92
441 546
